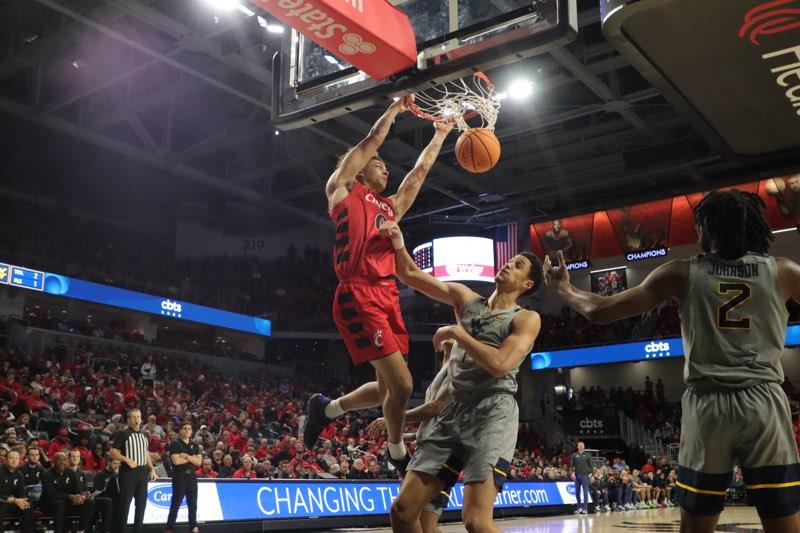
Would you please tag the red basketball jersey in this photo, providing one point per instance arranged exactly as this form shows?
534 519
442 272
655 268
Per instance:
360 251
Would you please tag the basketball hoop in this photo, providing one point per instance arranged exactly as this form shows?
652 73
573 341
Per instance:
459 100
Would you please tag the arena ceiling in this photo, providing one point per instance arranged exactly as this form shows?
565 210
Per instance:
171 102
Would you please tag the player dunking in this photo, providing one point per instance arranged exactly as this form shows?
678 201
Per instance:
733 320
492 338
366 305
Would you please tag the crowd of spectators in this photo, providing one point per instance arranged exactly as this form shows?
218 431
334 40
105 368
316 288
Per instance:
247 427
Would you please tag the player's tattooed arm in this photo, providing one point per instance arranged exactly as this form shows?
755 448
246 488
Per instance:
667 280
496 361
342 179
412 183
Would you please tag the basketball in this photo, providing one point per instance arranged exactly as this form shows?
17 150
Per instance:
477 150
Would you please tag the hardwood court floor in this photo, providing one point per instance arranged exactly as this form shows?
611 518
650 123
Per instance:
733 520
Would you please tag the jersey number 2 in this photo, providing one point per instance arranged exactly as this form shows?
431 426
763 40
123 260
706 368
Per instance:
741 292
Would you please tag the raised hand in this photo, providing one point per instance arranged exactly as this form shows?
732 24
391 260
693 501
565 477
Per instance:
556 277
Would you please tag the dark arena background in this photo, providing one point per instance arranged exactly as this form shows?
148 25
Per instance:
166 244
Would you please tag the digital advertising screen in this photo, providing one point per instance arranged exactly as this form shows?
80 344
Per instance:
59 285
629 351
457 258
231 500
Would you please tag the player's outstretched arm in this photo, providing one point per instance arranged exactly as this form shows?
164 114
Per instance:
342 179
789 276
496 361
669 279
452 294
412 183
427 411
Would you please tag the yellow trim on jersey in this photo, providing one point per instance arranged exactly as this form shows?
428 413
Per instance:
701 491
445 494
451 469
500 472
773 485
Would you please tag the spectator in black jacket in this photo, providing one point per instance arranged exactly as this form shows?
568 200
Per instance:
226 470
106 482
12 493
61 495
102 506
32 470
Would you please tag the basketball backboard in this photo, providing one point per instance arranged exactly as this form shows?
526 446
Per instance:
454 39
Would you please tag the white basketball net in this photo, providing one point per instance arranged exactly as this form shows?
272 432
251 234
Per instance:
459 100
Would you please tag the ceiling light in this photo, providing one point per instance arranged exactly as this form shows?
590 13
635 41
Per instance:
274 28
223 5
520 89
245 10
330 59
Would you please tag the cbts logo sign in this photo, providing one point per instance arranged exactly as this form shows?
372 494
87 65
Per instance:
656 349
590 423
571 489
591 426
170 308
770 19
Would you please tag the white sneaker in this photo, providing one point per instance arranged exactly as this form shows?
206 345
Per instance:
578 510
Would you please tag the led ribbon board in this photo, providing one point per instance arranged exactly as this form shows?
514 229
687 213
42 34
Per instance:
59 285
232 500
630 351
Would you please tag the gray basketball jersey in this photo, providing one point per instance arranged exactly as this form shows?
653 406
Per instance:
439 381
491 328
733 320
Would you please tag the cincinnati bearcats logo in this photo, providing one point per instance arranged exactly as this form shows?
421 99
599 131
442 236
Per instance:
379 220
770 18
377 338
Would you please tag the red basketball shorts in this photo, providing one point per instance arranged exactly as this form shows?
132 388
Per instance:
367 314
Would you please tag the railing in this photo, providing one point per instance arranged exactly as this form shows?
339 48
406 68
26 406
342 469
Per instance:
635 434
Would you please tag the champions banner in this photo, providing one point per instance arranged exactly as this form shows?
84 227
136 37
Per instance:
649 230
286 499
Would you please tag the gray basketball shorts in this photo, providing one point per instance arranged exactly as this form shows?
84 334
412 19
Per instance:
749 427
480 435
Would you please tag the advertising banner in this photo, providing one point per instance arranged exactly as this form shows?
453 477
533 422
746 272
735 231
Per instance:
59 285
629 351
288 499
590 425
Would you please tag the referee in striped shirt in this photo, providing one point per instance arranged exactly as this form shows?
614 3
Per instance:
130 447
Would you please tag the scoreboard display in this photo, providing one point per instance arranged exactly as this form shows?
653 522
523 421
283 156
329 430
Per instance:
457 258
21 277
